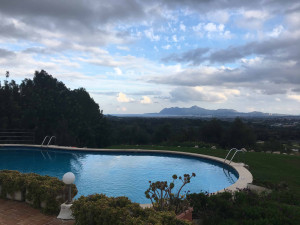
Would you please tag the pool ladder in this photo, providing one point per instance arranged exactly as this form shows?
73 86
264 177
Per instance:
236 151
50 139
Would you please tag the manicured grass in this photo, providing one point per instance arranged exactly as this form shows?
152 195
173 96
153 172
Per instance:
266 168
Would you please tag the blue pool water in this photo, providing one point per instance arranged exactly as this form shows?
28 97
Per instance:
119 174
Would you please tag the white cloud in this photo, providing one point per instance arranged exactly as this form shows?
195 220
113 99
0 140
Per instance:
294 97
123 98
211 95
252 19
210 27
212 30
198 28
121 109
276 31
174 38
251 61
233 92
124 48
249 36
220 16
227 34
118 71
256 14
182 27
146 100
150 34
221 27
166 47
202 94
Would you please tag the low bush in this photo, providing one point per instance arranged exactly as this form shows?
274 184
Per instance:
246 207
44 192
11 181
100 209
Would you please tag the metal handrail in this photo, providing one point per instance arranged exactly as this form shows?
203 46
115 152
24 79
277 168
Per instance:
229 153
45 140
50 140
236 151
234 155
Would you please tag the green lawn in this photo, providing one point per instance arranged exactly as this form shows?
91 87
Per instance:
266 168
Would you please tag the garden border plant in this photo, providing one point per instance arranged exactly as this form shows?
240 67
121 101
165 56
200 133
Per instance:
246 207
42 192
11 182
162 198
98 209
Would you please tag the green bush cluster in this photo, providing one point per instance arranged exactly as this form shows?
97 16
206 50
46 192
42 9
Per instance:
100 209
11 182
246 207
36 189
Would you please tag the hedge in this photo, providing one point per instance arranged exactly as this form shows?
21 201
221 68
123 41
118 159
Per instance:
43 192
98 209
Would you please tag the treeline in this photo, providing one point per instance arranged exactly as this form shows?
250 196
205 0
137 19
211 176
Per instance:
176 131
206 132
48 107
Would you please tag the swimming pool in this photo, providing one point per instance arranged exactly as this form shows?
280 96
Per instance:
119 173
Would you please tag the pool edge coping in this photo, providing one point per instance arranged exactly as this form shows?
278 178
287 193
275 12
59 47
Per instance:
245 177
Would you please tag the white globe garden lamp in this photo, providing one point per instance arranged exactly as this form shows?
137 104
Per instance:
69 179
65 208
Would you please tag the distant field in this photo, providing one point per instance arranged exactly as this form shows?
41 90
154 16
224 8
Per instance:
267 169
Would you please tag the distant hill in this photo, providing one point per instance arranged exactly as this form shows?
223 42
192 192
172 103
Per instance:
196 111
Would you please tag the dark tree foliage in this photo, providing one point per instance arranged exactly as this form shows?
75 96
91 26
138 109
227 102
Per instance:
240 135
181 131
212 131
47 106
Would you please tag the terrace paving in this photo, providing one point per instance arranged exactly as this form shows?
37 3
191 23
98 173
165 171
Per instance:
20 213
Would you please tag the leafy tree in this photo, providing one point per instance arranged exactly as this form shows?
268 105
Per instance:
50 108
212 131
240 135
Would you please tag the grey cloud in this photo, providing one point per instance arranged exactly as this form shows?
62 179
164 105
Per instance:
296 90
196 56
108 93
205 6
146 93
6 53
78 11
85 22
273 91
270 77
287 48
187 94
39 50
226 55
8 30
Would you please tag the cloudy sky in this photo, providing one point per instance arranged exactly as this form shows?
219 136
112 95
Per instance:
142 56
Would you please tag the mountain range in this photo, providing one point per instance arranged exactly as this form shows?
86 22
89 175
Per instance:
201 112
196 111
